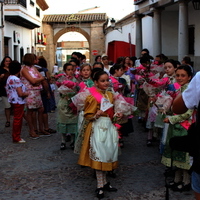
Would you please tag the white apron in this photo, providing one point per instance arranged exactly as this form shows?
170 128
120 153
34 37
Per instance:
104 141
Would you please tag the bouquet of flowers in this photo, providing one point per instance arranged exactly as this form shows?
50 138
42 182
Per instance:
163 102
67 89
154 85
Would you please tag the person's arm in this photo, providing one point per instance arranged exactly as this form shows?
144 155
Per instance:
178 105
21 93
32 80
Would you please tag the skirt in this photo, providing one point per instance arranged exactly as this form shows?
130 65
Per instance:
104 141
34 100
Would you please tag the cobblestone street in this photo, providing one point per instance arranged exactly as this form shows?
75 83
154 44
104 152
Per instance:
39 170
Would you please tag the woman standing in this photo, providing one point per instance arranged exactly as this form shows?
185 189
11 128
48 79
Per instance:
4 73
32 79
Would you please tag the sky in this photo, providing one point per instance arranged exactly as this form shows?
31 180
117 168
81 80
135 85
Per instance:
116 9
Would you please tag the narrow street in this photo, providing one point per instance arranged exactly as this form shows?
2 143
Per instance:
39 170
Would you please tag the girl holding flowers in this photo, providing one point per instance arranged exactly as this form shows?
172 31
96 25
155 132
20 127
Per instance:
178 126
67 114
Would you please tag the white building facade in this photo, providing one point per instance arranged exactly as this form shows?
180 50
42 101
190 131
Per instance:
163 26
22 31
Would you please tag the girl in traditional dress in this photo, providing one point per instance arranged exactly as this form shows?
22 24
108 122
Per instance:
67 117
99 148
178 126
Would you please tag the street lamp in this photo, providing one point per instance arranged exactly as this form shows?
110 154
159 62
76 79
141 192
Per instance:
196 4
112 21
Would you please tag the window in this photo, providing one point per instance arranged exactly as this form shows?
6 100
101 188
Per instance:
32 3
191 31
38 12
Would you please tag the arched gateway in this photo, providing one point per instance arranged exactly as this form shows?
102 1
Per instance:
90 25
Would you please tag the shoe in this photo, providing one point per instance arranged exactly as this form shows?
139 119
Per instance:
62 146
149 143
7 124
44 134
50 130
99 193
177 187
20 141
34 136
109 188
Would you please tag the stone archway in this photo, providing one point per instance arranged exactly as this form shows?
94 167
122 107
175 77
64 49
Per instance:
66 30
90 25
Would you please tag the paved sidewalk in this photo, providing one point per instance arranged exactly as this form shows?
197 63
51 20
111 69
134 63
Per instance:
39 170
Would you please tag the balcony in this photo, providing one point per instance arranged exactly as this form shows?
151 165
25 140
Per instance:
16 12
21 2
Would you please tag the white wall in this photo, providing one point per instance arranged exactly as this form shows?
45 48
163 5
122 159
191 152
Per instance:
25 36
115 35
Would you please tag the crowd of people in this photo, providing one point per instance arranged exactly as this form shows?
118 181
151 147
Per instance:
96 105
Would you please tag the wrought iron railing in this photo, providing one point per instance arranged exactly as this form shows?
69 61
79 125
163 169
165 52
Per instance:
21 2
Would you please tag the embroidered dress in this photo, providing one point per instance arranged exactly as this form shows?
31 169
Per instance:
33 101
178 127
67 118
79 101
99 151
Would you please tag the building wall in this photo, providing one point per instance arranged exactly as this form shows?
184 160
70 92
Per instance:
169 32
115 35
24 35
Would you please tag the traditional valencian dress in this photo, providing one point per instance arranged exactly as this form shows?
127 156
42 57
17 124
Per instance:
99 149
67 118
100 144
178 126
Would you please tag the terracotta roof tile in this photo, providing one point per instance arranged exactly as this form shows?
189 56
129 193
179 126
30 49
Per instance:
75 17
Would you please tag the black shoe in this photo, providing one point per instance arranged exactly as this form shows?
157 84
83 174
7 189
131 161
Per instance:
62 146
177 187
109 188
99 193
149 143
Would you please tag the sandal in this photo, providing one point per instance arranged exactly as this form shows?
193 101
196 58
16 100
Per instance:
7 124
44 133
34 136
50 130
